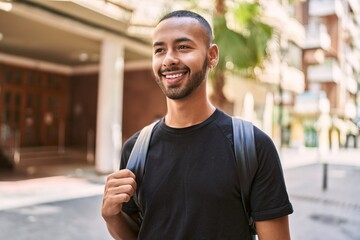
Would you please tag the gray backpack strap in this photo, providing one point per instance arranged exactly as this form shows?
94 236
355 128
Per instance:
137 158
246 159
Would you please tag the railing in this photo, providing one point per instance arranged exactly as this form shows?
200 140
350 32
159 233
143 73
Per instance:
10 144
16 148
61 140
325 7
329 71
15 155
317 36
90 152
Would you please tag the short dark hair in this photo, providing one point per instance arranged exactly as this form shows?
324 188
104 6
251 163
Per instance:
186 13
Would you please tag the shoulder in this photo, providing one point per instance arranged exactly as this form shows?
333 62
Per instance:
267 153
129 145
130 142
262 139
224 123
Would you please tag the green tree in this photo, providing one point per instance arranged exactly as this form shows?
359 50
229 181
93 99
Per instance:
244 44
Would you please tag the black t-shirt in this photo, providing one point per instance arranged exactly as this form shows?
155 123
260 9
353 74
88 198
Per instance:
191 190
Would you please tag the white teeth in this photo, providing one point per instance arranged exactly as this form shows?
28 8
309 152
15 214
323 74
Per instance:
174 75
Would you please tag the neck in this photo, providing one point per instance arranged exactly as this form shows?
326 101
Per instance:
189 111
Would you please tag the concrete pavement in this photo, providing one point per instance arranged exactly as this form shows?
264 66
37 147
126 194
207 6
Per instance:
332 213
291 158
326 206
49 184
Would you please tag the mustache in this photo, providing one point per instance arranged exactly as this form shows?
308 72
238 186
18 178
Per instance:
165 70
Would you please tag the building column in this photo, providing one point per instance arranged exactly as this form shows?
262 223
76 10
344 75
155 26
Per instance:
109 109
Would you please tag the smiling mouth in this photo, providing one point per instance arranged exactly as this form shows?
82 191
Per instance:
172 76
173 73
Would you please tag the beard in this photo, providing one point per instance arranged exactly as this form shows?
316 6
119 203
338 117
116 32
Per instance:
179 92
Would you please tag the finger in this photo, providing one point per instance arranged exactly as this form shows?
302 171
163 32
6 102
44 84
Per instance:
112 205
116 182
122 197
123 173
113 201
124 189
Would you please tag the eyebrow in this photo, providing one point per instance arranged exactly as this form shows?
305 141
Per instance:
178 40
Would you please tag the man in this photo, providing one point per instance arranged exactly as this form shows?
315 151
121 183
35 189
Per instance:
190 188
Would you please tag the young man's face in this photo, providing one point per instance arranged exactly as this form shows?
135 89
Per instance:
180 56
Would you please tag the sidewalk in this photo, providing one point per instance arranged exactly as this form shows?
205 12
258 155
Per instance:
48 184
331 213
291 158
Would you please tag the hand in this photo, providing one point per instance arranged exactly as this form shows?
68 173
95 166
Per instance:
119 188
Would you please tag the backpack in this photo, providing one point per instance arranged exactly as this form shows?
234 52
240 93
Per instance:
245 154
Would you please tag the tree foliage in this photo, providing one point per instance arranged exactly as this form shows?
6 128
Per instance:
242 39
245 43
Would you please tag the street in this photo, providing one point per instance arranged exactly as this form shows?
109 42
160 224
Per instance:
331 214
64 220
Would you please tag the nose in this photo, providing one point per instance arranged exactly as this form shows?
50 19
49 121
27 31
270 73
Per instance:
170 59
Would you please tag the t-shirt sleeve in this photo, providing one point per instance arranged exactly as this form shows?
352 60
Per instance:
269 198
130 207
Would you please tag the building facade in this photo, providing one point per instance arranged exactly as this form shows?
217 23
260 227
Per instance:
331 60
76 78
74 82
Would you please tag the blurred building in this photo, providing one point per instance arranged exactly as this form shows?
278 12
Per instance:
329 107
75 76
268 100
308 93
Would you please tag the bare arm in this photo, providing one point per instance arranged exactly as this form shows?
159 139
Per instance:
119 188
275 229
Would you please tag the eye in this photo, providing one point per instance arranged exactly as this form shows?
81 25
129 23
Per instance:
158 50
181 47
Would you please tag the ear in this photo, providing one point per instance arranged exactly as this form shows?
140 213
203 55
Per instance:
213 56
